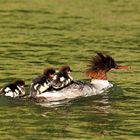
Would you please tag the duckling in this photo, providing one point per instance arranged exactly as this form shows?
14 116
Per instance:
42 82
14 89
62 78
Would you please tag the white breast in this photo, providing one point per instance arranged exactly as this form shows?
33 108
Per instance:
101 85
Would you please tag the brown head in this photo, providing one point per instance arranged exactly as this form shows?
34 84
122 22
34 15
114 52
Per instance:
19 82
65 68
100 65
49 72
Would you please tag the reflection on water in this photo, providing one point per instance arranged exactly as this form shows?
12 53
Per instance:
72 118
107 115
56 120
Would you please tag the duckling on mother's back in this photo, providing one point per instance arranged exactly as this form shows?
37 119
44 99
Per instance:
62 78
42 82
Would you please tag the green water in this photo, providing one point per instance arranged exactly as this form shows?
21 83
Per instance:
39 33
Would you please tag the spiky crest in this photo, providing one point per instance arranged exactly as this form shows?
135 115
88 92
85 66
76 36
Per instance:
102 62
99 65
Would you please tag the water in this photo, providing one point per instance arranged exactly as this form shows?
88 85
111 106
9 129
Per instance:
35 34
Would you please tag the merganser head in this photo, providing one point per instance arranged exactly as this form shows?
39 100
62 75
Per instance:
100 65
65 68
49 72
19 82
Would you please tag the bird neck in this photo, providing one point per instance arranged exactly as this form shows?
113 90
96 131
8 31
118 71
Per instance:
99 74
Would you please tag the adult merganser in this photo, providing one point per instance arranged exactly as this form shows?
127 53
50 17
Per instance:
14 89
42 82
99 66
62 78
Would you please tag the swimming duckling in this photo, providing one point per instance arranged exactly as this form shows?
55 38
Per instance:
14 89
42 83
62 78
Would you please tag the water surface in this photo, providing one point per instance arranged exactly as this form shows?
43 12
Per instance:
35 34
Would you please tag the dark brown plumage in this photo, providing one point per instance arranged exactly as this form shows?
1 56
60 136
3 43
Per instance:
49 71
99 65
102 62
19 82
65 68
